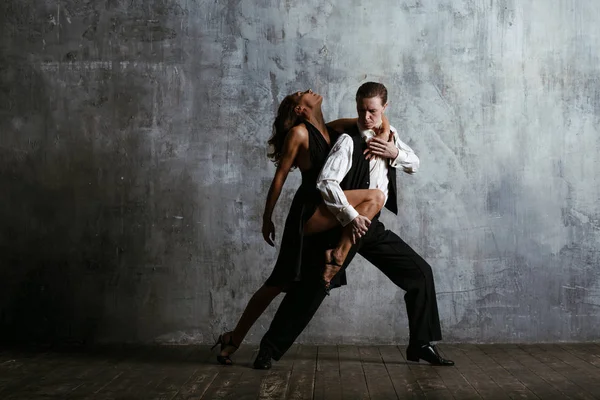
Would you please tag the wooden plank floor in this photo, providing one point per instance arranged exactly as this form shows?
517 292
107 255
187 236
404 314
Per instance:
542 371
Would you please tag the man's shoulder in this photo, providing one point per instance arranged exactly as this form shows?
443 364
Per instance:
350 138
353 131
343 139
344 142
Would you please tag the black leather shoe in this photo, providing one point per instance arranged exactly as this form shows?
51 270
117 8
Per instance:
427 353
263 359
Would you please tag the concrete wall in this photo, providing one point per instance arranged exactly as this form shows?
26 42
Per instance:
133 167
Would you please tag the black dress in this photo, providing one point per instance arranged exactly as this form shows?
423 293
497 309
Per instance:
289 267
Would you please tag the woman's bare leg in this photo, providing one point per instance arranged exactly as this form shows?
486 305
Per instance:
367 202
256 306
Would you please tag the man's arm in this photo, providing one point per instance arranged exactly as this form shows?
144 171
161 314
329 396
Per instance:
400 155
336 167
406 159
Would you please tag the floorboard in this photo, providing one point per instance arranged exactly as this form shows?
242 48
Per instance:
306 372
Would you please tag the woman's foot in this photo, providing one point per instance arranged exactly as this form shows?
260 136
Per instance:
228 347
332 267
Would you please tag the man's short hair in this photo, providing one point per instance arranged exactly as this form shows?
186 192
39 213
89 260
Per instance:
372 89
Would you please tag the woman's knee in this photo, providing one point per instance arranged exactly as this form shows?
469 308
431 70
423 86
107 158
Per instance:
378 197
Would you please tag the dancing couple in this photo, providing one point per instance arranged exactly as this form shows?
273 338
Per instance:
348 171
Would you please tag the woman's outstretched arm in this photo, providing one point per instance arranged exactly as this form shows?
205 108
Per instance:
385 130
297 137
343 125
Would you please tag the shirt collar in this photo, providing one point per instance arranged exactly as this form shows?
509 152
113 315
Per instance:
365 133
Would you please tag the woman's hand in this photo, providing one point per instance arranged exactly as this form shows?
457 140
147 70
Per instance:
268 231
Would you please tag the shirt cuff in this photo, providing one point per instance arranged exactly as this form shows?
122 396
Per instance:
402 156
347 215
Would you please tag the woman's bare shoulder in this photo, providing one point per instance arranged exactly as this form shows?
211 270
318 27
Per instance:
298 133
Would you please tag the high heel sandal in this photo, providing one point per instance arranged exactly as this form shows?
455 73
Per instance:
332 267
225 360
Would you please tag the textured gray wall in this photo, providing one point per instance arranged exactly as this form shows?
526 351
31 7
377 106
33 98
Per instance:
133 171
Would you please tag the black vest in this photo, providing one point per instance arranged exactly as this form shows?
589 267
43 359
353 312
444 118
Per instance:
359 178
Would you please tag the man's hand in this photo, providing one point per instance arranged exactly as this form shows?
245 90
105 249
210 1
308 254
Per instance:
381 148
360 226
268 231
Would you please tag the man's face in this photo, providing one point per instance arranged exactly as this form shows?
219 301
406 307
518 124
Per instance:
370 111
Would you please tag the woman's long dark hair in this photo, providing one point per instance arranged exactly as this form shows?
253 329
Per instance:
286 119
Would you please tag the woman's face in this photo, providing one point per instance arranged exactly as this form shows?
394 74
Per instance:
308 99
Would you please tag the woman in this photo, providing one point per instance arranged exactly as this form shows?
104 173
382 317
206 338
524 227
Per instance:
300 139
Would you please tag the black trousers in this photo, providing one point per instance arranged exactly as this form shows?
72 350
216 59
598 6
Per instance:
392 256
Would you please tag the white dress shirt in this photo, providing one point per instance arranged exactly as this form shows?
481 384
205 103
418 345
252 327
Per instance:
339 162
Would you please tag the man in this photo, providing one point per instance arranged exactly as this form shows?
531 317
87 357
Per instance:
359 161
